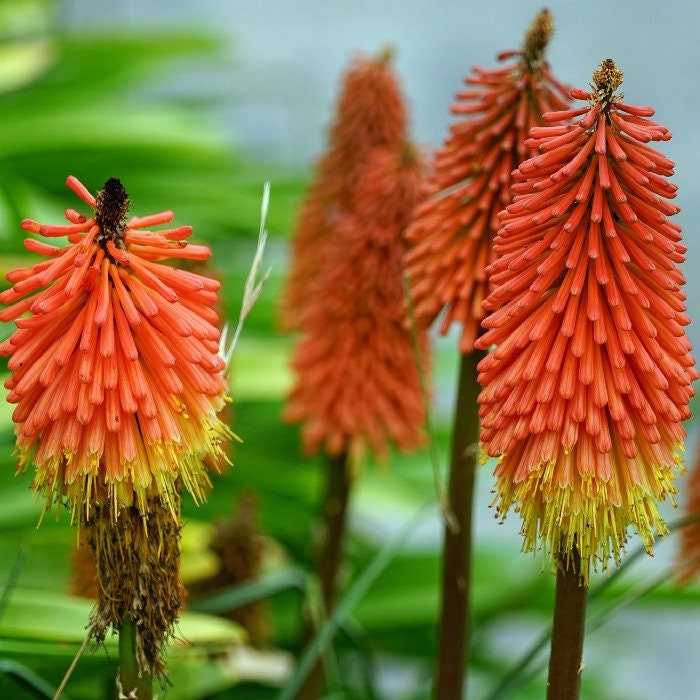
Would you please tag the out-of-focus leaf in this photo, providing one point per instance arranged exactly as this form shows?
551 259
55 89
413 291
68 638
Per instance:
26 678
43 616
53 618
233 597
259 370
97 112
197 561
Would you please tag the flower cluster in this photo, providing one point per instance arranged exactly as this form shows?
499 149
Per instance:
451 236
357 383
115 368
357 377
585 391
370 114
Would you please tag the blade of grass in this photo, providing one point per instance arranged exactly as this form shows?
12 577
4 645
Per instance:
12 578
348 602
253 286
236 596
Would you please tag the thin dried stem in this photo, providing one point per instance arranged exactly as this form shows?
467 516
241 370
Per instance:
253 286
72 666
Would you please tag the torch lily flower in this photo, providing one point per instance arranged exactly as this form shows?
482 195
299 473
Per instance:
370 113
585 392
115 372
117 379
357 375
451 236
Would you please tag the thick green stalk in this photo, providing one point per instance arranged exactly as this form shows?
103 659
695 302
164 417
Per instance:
568 627
454 631
128 678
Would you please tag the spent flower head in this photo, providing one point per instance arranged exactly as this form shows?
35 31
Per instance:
585 392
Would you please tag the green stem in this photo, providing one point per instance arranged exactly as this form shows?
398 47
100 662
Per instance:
454 635
129 678
564 682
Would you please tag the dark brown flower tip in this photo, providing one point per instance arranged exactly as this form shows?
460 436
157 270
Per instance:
606 80
386 55
537 37
112 204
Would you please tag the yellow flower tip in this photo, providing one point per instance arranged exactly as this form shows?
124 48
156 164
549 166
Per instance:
537 37
410 155
386 54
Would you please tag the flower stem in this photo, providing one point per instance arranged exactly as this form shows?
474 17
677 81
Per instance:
129 679
570 598
335 509
453 654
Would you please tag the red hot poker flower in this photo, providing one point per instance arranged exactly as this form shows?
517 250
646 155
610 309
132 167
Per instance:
584 394
452 233
370 113
357 384
115 370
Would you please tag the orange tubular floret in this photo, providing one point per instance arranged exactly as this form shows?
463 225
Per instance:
74 184
163 217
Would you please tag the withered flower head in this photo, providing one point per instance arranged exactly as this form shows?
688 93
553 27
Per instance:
590 378
451 237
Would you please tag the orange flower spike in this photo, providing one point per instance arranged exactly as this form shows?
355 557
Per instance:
451 236
357 385
370 113
587 318
115 373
